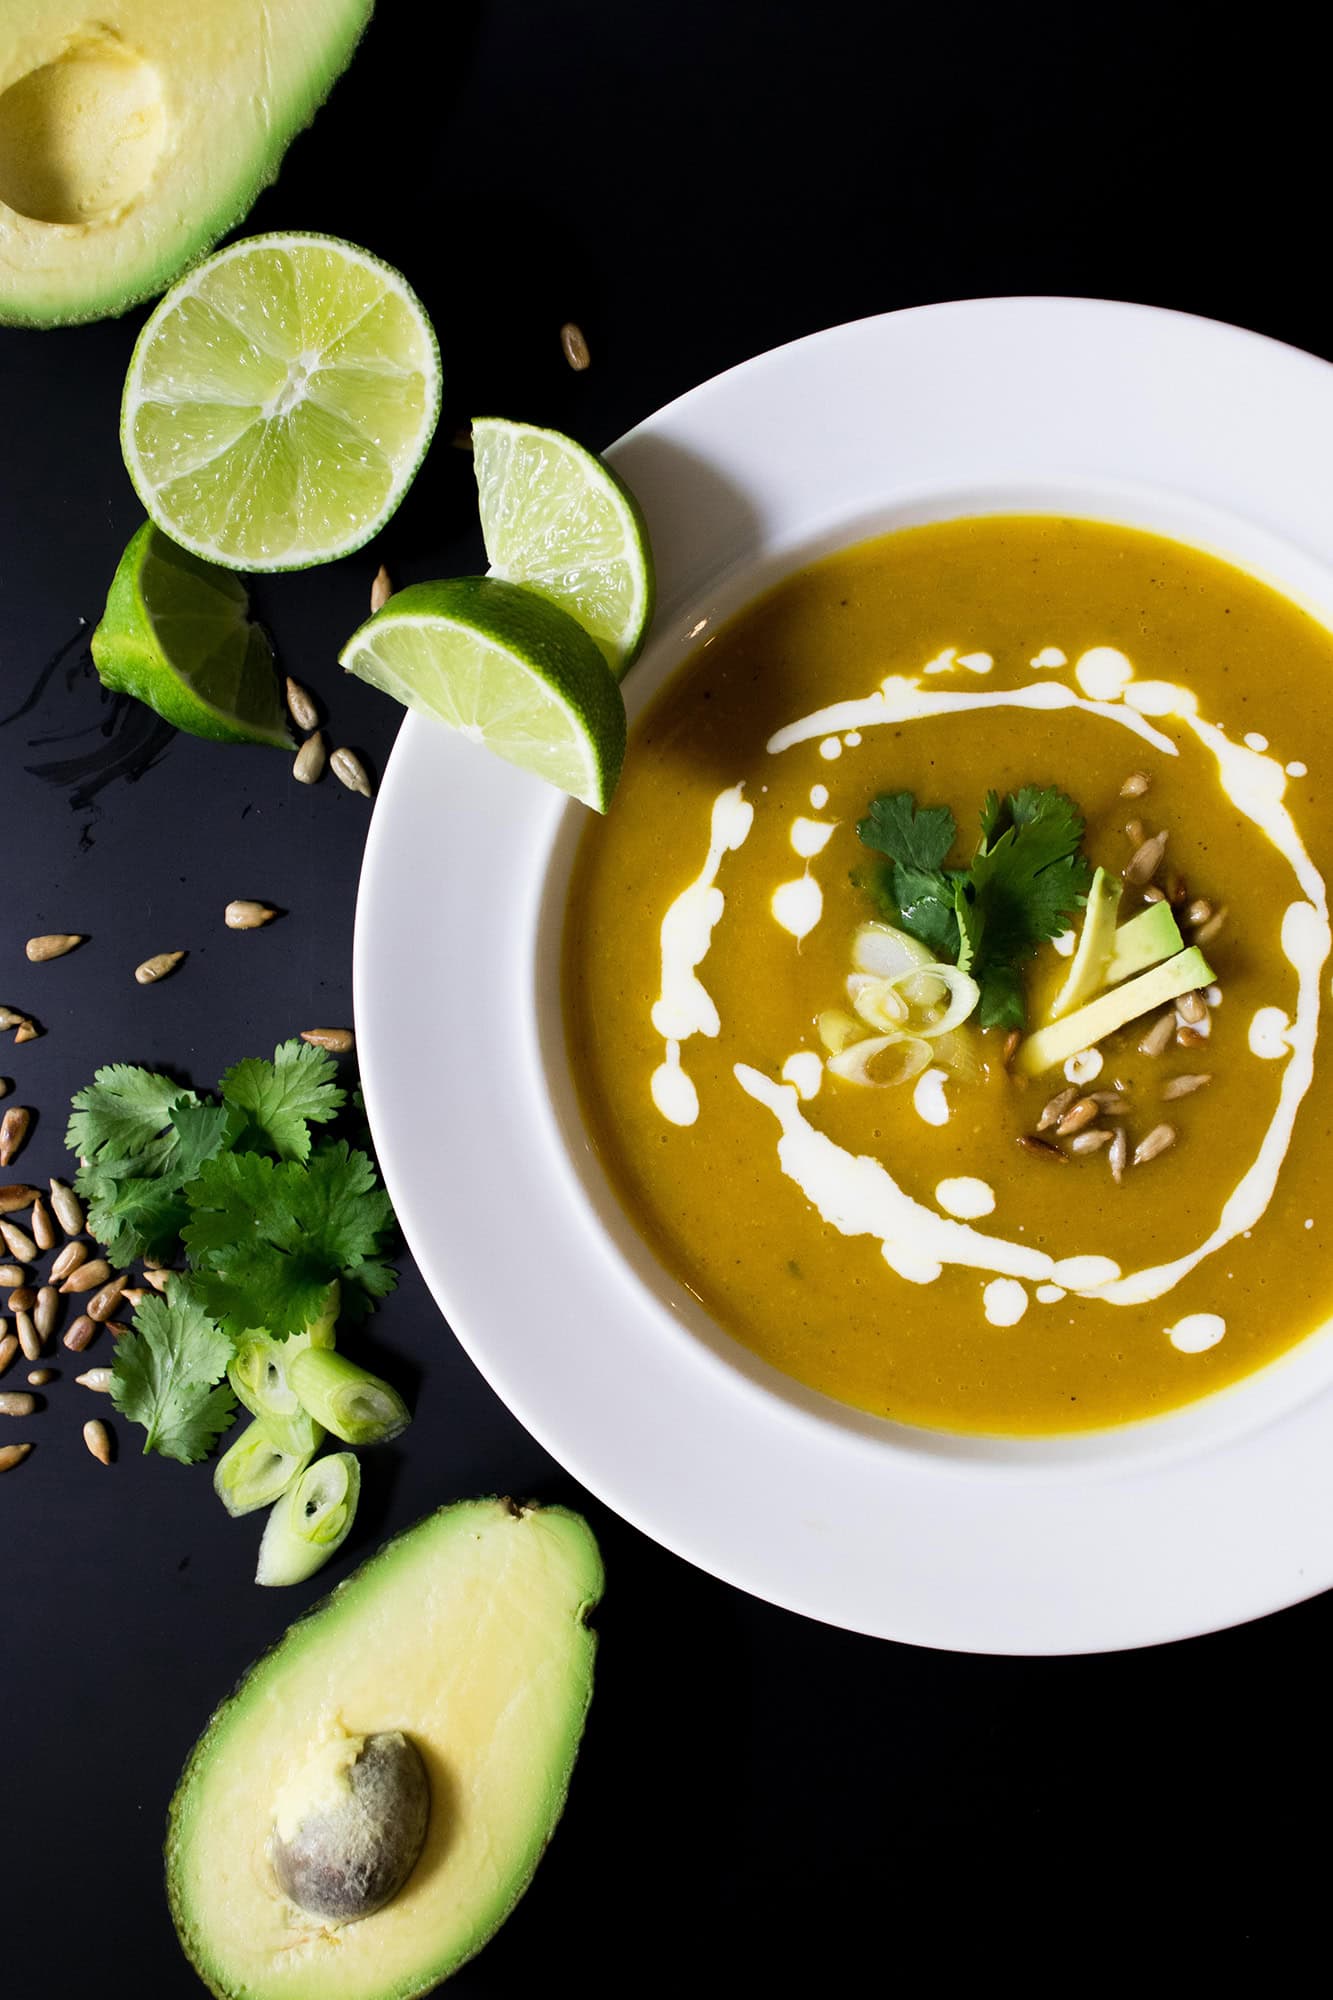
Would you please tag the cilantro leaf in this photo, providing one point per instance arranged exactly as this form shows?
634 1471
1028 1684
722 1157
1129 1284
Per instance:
121 1117
134 1212
918 839
971 918
269 1236
167 1376
281 1099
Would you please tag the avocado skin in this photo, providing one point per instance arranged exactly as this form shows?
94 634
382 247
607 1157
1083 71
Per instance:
465 1512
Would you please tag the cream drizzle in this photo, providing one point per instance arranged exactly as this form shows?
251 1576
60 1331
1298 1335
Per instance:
967 1198
1004 1302
1197 1332
811 836
798 905
928 1099
805 1072
684 1007
1049 656
901 700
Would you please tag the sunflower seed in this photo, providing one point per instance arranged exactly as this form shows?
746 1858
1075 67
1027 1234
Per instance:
13 1274
1190 1038
160 966
1042 1149
1135 785
12 1455
347 767
80 1334
1113 1103
28 1337
1089 1142
1184 1086
157 1279
19 1242
70 1258
1157 1141
1199 911
1207 932
381 590
13 1131
336 1040
1145 861
134 1296
1053 1112
98 1440
39 1377
27 1031
17 1195
1158 1037
68 1208
1134 832
47 1311
54 945
1010 1049
1192 1008
1152 894
247 916
43 1229
95 1378
6 1085
309 761
1078 1115
301 706
18 1403
9 1346
575 346
11 1018
88 1276
22 1299
105 1300
115 1327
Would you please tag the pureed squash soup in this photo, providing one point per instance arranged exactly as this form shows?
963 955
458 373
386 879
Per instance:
1072 1174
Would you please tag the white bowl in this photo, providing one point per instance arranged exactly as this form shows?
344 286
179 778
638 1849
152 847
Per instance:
1151 1531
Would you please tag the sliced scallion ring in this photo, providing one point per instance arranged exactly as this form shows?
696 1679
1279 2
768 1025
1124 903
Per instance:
882 1060
311 1520
358 1407
962 990
254 1472
885 952
876 1002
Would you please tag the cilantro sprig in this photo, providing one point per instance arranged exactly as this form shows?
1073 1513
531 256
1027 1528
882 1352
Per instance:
269 1211
1027 878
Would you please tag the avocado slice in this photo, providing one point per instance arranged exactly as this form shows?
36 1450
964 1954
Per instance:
468 1637
1145 940
132 137
1087 969
1102 1016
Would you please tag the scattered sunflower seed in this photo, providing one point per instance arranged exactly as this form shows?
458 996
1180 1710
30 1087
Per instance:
68 1208
1192 1008
381 590
105 1300
134 1295
6 1085
1042 1148
115 1327
18 1403
309 761
70 1258
160 966
1184 1086
82 1333
9 1347
1207 932
247 916
19 1242
1158 1037
1152 894
54 945
348 768
12 1455
43 1229
98 1440
157 1279
1078 1115
1157 1141
301 705
1135 785
11 1018
1053 1112
1010 1049
95 1378
1089 1142
1190 1038
13 1274
1199 911
1146 860
39 1377
1134 832
17 1195
13 1132
22 1299
336 1040
575 346
88 1276
47 1311
28 1336
27 1031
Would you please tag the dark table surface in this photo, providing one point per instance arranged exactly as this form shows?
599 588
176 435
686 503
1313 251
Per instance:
759 1799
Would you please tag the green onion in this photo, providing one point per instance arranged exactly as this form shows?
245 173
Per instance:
311 1520
349 1401
254 1471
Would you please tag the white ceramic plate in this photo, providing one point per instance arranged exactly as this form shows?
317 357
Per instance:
1151 1532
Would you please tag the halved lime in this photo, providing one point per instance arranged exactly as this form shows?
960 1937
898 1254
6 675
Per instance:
506 668
279 401
557 519
175 634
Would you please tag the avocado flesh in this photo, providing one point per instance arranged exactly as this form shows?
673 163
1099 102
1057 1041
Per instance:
1096 941
133 137
468 1633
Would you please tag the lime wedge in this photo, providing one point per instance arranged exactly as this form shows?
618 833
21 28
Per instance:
506 668
175 634
279 401
554 517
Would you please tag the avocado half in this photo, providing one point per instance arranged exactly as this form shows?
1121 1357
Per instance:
132 138
469 1636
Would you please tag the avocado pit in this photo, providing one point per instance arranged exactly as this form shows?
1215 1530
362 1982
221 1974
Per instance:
349 1828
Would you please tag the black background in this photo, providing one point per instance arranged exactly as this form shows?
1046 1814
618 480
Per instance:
760 1801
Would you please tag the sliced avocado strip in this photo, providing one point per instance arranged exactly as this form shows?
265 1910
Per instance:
1087 969
1101 1017
131 140
469 1635
1145 940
